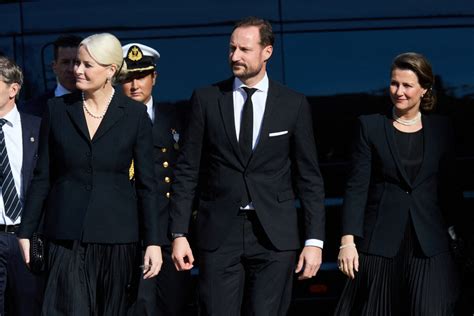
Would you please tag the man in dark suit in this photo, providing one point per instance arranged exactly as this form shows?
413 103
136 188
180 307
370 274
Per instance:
166 294
250 146
65 52
20 290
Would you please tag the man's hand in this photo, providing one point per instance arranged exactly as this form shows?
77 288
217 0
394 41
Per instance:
310 260
152 261
182 254
25 250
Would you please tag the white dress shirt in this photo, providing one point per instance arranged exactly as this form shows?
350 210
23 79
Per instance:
60 90
259 99
14 143
149 109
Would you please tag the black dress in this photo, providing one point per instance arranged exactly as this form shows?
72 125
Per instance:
93 216
409 283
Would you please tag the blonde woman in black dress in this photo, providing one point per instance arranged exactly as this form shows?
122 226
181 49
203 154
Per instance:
92 214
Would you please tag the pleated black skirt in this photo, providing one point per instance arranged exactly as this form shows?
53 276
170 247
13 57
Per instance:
408 284
89 279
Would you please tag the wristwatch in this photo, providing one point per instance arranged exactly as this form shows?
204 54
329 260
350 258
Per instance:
177 235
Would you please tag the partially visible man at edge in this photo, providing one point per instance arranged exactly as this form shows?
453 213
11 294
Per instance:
65 52
167 293
21 292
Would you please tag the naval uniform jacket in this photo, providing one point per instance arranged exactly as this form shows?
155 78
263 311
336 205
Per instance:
380 197
283 165
168 134
82 184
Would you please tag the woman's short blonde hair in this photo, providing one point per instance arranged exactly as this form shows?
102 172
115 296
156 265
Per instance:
106 49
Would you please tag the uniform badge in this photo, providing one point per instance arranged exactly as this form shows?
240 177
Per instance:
176 138
135 54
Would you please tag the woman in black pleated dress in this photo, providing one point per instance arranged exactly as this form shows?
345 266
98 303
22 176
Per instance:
400 200
93 217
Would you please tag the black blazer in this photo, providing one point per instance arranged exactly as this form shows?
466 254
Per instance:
279 168
82 184
380 197
37 106
168 134
30 126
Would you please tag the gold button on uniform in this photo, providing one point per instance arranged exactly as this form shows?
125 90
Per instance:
163 150
167 179
168 195
165 164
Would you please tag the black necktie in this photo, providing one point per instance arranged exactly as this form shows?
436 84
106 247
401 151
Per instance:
10 196
246 125
246 135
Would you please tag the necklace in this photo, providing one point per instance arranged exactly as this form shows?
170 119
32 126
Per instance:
105 110
411 122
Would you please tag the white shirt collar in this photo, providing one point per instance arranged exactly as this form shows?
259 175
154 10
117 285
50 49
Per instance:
60 90
149 109
13 117
262 85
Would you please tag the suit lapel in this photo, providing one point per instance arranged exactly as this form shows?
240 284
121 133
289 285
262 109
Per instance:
428 149
76 113
226 106
390 136
113 115
29 144
270 105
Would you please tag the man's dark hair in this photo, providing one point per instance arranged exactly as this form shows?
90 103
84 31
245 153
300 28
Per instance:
266 32
66 41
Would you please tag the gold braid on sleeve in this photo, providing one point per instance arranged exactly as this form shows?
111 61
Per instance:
131 171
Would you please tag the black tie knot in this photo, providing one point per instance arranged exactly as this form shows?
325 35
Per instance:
249 91
2 122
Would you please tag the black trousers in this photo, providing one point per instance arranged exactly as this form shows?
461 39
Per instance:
246 275
166 294
408 284
89 279
21 292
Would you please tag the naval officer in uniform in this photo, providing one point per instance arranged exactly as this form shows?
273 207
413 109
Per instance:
167 293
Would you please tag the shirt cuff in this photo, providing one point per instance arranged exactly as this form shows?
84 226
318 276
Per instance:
314 243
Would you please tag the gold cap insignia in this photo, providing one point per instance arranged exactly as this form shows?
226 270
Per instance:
134 54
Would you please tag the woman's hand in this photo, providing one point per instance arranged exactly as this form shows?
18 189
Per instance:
348 258
25 250
152 261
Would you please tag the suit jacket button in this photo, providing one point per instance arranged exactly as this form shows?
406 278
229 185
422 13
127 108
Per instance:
167 179
88 187
89 170
88 154
168 195
163 150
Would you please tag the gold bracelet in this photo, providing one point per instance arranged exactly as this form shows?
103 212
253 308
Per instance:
347 245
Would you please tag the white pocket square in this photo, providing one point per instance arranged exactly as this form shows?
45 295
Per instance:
277 134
